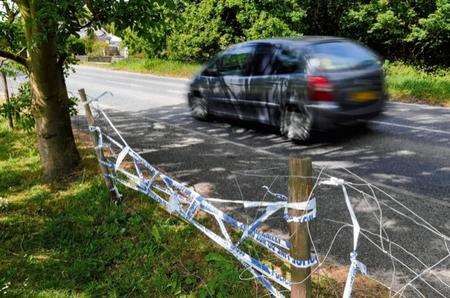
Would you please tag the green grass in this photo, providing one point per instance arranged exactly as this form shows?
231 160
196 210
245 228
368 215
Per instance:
405 82
66 239
156 66
412 84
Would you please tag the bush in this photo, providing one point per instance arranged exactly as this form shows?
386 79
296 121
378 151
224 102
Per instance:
76 46
20 108
136 45
98 48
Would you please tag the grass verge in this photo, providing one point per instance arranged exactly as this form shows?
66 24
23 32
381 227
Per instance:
405 83
153 66
411 84
68 240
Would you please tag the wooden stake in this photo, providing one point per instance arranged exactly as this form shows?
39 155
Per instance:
300 186
113 194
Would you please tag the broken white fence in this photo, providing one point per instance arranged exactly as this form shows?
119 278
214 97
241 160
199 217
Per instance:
125 166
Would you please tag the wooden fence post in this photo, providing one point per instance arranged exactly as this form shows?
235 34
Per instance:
300 186
113 193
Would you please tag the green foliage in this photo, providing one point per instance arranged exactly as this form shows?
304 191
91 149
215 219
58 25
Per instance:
19 108
431 35
211 25
76 46
11 69
416 31
147 31
136 44
98 48
11 33
88 41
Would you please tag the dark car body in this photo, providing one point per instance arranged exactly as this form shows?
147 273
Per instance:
334 80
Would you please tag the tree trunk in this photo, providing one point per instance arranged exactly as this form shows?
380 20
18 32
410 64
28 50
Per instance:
56 142
5 85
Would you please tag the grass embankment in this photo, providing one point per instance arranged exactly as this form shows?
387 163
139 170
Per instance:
67 239
405 82
411 84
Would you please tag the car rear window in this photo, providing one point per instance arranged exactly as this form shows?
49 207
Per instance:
342 55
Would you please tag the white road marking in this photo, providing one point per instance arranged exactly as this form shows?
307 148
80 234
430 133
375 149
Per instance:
411 127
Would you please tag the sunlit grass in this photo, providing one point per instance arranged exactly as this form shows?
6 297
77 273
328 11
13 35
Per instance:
66 239
156 67
412 84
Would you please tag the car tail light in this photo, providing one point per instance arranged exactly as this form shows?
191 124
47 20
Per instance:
319 89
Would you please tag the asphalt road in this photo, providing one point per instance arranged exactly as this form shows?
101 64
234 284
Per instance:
406 153
407 149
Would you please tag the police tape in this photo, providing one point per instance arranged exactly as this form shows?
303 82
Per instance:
186 203
198 203
355 265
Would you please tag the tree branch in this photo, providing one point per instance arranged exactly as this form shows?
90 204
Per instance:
14 57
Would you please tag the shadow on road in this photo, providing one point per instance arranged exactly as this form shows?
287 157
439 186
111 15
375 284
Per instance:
219 158
381 153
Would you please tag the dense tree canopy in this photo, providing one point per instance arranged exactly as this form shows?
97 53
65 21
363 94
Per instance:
411 30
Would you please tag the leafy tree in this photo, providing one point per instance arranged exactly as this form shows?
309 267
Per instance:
413 30
211 25
430 36
147 31
36 34
410 30
76 45
323 17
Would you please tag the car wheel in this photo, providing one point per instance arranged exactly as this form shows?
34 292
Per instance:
199 108
296 123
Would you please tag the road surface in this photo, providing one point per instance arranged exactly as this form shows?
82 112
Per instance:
407 149
406 153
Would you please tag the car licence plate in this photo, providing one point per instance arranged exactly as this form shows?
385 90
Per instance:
364 96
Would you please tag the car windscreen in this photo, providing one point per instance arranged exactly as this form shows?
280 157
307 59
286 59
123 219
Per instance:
341 55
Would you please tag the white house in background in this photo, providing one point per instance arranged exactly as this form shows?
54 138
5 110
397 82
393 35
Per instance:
113 41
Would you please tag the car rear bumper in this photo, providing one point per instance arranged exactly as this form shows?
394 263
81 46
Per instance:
327 115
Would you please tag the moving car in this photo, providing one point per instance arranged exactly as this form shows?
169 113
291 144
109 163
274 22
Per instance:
294 84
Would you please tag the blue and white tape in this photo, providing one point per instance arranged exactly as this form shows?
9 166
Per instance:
186 203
